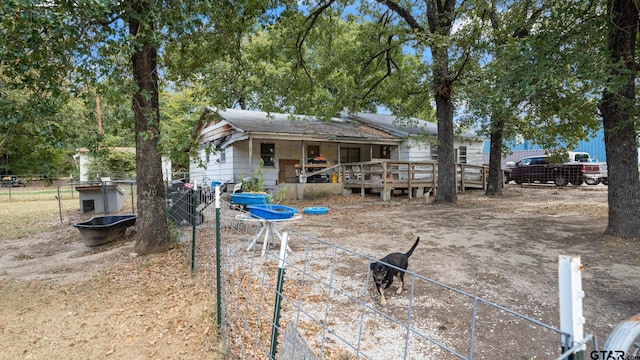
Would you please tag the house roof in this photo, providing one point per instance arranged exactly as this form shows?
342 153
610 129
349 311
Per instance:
130 150
402 126
275 125
224 127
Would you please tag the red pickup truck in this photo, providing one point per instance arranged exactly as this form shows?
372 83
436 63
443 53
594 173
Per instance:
539 169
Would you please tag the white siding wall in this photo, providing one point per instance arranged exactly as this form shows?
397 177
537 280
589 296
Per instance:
237 162
416 151
474 152
421 151
215 171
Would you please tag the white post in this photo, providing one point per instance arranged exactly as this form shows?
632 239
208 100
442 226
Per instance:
571 294
284 240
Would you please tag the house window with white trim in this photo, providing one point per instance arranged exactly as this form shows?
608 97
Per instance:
268 154
462 155
433 150
222 153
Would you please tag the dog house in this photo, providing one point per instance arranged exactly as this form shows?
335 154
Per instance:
100 198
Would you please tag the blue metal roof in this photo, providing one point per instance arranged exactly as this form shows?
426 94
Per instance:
594 146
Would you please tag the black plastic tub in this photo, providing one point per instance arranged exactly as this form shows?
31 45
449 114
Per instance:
103 229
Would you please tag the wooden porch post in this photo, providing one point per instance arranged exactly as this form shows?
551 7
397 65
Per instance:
251 154
302 162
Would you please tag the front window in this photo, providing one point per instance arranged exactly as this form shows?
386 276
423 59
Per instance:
385 152
349 155
268 154
313 151
463 154
434 152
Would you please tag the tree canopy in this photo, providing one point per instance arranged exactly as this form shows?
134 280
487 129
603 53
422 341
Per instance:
533 69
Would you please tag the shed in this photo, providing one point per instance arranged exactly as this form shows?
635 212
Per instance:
100 198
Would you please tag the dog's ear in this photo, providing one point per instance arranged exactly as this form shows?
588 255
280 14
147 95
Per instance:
371 265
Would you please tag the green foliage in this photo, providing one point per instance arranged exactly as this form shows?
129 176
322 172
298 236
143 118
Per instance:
339 66
46 111
281 196
544 75
256 183
118 165
179 114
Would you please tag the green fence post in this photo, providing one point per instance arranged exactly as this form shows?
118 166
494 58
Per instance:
194 220
276 311
218 281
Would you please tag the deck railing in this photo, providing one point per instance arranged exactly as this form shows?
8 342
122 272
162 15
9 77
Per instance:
412 177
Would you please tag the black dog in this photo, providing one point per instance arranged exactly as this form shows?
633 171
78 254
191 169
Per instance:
384 274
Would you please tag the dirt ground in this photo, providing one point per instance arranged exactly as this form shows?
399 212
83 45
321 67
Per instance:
60 298
504 250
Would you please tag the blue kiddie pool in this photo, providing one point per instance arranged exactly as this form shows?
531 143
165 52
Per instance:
250 198
271 211
315 210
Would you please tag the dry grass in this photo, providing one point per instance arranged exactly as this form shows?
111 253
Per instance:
24 218
116 306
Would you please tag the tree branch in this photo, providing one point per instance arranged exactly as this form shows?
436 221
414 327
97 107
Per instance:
310 21
389 65
403 13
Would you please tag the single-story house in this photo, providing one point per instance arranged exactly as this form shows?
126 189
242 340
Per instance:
241 138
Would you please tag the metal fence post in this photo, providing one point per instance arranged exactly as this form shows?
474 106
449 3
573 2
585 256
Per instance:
105 199
276 311
194 217
571 294
218 266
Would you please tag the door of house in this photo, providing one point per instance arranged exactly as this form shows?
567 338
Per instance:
287 172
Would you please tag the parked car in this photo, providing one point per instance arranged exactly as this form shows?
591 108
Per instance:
590 179
12 181
541 169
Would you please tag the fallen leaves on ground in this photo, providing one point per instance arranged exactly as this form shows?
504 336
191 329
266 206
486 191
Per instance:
141 307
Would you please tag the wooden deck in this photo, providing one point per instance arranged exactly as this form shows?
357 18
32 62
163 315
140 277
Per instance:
411 178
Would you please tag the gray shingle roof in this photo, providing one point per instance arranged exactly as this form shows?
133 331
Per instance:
401 126
335 128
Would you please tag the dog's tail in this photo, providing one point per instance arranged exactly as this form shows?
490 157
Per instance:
413 247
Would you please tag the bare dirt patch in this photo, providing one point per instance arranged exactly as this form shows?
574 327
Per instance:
504 249
62 299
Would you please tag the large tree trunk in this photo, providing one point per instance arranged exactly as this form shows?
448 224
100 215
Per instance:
440 15
494 184
153 230
446 190
617 108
